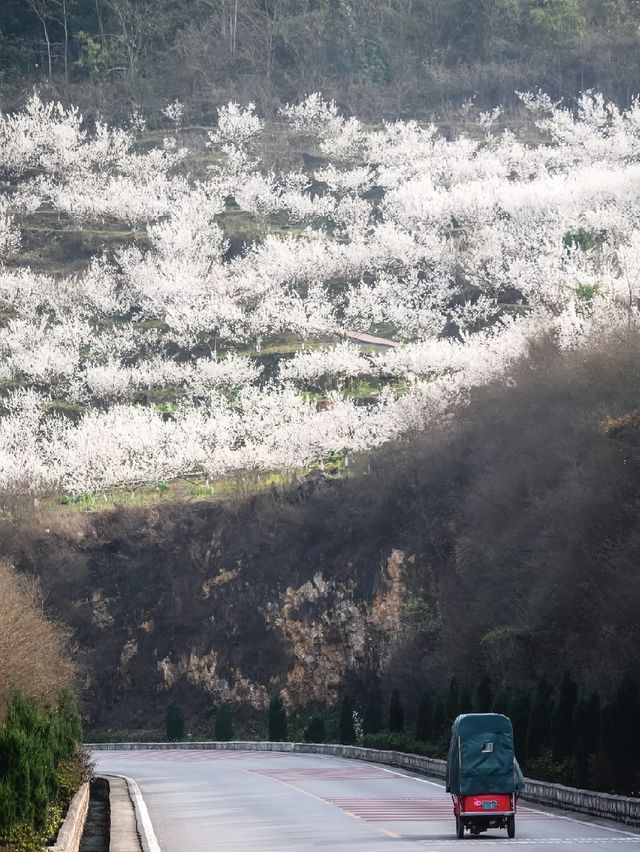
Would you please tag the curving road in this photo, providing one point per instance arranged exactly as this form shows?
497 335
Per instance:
247 800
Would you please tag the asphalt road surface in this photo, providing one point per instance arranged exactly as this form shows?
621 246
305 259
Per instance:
247 800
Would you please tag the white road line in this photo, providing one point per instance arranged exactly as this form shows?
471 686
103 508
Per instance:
412 777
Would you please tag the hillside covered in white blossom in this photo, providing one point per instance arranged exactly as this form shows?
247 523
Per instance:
145 365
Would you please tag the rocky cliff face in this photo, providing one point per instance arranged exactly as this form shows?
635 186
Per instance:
170 603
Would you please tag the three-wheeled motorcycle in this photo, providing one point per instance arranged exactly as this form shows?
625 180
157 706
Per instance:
483 776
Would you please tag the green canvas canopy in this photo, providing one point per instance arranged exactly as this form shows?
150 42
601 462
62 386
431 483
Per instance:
481 758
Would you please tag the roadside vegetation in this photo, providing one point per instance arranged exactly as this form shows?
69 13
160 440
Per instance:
41 762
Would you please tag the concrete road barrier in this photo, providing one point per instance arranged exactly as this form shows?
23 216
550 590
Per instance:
70 833
620 808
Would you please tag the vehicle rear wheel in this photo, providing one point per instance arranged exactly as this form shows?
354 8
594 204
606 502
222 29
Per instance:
511 827
459 827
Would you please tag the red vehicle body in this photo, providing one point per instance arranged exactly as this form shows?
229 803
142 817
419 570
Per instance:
487 810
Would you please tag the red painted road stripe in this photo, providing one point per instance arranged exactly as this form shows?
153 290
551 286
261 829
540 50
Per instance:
320 773
405 810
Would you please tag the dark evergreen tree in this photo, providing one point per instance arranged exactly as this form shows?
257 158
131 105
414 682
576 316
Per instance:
564 719
223 726
452 705
174 723
621 736
277 720
466 701
520 713
346 730
588 739
315 731
439 726
539 728
396 713
484 694
32 745
372 716
501 703
424 717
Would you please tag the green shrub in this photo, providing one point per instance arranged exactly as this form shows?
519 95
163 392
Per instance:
277 720
174 723
545 768
586 292
315 731
388 741
396 713
346 730
582 239
223 726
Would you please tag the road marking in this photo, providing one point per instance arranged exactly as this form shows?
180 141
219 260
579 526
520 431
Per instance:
340 773
412 777
389 833
560 841
531 810
145 827
427 808
305 792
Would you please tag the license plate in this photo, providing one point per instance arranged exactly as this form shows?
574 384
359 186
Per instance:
489 806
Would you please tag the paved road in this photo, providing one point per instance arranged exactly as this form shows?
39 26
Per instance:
244 800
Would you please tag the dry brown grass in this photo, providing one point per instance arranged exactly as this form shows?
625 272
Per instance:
35 653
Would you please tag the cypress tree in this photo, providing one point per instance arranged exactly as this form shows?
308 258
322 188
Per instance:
520 713
439 725
588 740
484 694
174 723
32 744
396 713
277 720
539 729
501 703
315 731
7 803
346 730
424 718
68 727
564 719
452 704
223 726
372 716
621 736
466 702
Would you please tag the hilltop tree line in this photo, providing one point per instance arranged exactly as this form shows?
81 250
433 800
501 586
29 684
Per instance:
372 56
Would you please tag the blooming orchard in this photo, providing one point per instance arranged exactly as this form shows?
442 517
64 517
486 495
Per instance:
161 359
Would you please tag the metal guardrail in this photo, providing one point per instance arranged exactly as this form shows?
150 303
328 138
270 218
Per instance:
619 808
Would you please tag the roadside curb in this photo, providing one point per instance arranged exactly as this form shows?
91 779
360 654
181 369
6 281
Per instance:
131 830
